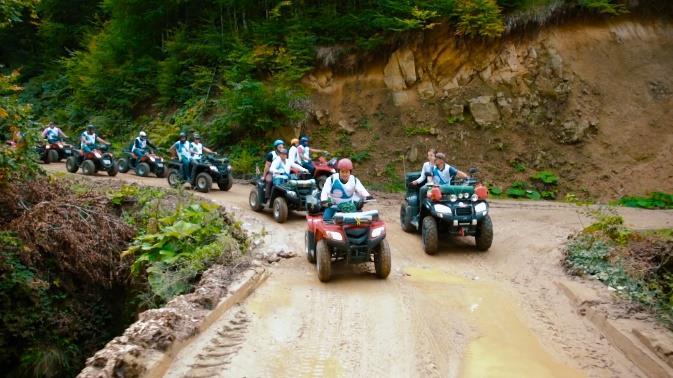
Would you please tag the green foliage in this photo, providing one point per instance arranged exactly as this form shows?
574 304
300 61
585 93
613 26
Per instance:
411 131
395 181
609 223
13 11
452 120
604 6
495 191
545 177
656 200
519 167
478 18
360 156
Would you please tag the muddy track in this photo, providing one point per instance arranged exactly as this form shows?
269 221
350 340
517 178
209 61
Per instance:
459 313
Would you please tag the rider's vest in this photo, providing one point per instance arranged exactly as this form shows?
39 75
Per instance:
88 139
142 144
440 175
182 149
52 133
196 150
340 192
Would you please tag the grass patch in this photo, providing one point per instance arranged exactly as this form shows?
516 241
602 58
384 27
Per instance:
656 200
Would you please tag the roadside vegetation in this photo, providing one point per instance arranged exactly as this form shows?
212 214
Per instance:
638 265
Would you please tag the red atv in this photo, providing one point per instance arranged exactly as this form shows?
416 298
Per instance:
323 169
353 237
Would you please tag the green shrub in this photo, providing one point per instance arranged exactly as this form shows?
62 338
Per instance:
656 200
478 18
545 177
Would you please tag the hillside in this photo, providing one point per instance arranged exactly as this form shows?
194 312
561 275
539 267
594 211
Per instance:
591 103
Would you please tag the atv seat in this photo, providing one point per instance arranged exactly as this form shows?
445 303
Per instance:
364 217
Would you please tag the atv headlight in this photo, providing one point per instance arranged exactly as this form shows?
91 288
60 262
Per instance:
214 168
229 168
335 235
442 209
291 194
378 231
481 207
453 198
475 197
152 159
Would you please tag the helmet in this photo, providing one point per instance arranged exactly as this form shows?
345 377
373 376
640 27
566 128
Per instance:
283 151
183 134
51 124
440 156
294 141
303 140
345 164
278 142
142 134
196 136
90 126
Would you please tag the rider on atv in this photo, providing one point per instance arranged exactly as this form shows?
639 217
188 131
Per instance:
443 173
53 134
140 144
342 191
281 167
196 150
426 170
89 138
278 145
304 152
181 148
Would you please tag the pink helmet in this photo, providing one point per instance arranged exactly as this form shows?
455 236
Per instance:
345 164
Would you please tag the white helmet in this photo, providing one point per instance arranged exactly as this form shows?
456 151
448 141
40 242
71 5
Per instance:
142 134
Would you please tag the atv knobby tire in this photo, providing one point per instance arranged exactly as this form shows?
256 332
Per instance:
323 260
309 246
484 237
203 182
88 167
405 218
71 164
142 169
280 209
52 156
382 260
429 235
123 165
112 172
174 178
253 200
225 186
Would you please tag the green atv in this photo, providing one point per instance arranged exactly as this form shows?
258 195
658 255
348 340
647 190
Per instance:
447 210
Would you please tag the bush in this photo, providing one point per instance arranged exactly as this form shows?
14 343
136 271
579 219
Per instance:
478 18
656 200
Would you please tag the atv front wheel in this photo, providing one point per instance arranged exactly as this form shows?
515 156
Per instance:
123 165
382 260
227 184
429 235
203 182
280 209
142 169
405 218
253 200
52 156
324 261
112 172
71 164
88 167
309 246
484 237
174 178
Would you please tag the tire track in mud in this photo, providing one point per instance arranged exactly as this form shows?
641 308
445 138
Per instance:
218 353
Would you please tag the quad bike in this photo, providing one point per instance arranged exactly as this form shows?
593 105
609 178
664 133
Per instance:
208 170
148 163
92 162
54 152
351 237
292 195
447 210
323 169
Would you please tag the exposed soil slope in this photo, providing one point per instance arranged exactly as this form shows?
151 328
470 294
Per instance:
591 103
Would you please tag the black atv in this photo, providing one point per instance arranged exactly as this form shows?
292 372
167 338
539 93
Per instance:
447 210
54 152
92 162
149 163
208 170
292 195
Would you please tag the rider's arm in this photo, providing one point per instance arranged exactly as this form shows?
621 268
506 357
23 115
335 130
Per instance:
421 178
208 150
326 189
299 167
150 145
456 173
44 132
102 140
61 133
82 139
360 189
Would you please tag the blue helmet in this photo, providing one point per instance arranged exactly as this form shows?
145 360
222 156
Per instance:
278 142
303 140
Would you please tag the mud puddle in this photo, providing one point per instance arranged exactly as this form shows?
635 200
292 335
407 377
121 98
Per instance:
500 343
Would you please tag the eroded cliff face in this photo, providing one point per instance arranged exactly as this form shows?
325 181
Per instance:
591 103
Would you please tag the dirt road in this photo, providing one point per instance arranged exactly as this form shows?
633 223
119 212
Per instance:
460 313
